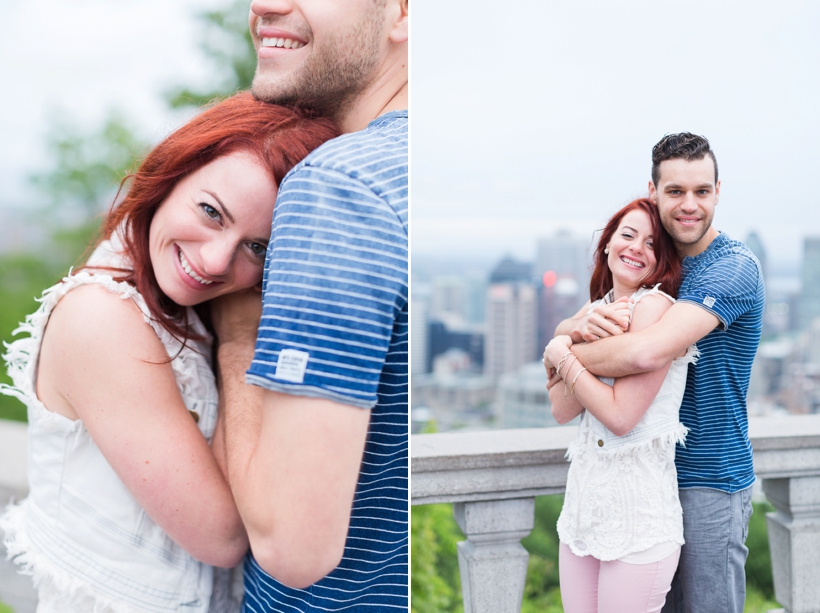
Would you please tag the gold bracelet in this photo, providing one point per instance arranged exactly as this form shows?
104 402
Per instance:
572 388
569 364
561 362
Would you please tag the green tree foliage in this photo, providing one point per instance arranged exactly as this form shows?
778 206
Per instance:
435 583
229 47
86 168
436 587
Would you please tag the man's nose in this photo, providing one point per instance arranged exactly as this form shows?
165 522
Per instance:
689 203
261 8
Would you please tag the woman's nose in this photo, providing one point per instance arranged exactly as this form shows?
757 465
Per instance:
217 257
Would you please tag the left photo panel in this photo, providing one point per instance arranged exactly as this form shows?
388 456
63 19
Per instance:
204 279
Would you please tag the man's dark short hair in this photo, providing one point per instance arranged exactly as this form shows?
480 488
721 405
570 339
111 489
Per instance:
684 145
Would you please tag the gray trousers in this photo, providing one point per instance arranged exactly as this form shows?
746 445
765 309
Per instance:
711 577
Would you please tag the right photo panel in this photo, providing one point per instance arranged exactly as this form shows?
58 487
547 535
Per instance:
615 307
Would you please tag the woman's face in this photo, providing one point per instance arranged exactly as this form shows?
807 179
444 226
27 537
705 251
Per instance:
209 236
631 258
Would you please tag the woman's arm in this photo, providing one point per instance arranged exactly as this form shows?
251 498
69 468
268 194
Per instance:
100 362
565 407
620 407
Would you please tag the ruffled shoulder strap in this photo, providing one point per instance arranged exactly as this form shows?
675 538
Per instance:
22 354
642 292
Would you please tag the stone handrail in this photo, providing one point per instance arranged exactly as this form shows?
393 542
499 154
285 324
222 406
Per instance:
492 478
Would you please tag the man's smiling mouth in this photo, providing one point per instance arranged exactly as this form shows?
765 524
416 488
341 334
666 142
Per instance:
286 43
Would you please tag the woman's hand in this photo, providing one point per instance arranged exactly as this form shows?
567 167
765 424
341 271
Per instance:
605 320
553 353
556 350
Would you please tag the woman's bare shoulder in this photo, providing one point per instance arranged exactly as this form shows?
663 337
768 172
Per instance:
649 309
91 315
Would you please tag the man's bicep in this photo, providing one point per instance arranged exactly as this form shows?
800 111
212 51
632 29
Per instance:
308 458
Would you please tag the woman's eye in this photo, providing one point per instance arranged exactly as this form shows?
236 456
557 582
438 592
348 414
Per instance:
258 249
649 244
210 211
626 235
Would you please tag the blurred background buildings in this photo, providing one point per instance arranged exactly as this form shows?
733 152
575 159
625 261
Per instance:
479 331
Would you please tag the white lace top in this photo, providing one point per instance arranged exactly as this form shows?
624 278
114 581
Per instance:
80 533
622 492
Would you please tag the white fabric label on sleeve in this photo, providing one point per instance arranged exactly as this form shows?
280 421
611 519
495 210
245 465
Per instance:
291 365
709 301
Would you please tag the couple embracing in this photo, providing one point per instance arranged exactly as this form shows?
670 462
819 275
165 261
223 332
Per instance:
657 365
171 434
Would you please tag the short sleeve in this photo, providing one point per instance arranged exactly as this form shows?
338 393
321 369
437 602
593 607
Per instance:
727 287
335 282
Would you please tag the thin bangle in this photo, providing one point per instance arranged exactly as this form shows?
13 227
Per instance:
561 362
569 365
572 388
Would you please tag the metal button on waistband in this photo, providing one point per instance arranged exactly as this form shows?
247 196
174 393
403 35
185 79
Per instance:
600 442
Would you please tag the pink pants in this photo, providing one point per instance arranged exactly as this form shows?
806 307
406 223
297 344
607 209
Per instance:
591 586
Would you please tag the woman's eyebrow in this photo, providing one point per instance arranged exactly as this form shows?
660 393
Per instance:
222 205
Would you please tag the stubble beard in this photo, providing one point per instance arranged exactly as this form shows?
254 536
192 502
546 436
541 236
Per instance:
333 76
684 238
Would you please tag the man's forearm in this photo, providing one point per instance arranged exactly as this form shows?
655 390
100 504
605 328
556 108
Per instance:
617 356
568 327
240 408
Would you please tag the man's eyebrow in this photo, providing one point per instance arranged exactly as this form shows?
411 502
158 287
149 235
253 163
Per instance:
676 186
222 205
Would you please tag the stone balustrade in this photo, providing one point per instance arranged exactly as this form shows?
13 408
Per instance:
492 478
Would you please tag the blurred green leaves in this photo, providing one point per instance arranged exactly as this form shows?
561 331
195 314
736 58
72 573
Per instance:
229 47
85 167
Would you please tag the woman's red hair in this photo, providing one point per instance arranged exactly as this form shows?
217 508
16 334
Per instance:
278 137
667 267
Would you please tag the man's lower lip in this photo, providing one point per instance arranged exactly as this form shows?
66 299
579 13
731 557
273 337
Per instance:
269 52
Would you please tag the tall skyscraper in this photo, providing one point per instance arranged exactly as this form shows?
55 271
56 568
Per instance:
563 269
419 335
810 293
511 314
754 243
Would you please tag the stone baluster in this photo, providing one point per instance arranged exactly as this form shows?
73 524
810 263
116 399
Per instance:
794 540
492 561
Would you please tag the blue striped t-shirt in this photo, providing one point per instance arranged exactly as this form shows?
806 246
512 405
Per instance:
334 326
725 280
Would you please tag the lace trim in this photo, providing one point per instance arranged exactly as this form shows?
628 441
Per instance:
31 562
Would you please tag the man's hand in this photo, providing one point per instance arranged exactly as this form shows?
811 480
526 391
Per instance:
236 316
605 320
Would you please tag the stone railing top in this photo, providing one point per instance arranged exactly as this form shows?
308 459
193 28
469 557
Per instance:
499 464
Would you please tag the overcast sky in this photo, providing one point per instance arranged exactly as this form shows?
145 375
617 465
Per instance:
81 58
534 115
527 116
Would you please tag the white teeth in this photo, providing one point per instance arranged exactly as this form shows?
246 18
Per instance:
286 43
631 262
187 268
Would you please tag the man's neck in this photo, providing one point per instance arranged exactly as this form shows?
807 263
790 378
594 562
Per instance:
698 247
387 92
